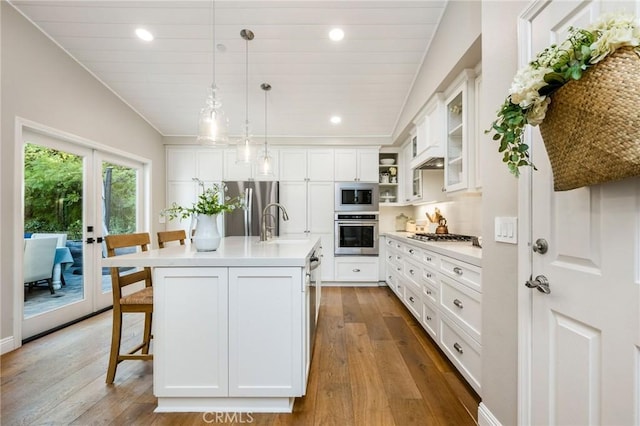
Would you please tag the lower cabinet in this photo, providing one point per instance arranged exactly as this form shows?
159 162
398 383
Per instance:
445 295
229 332
356 268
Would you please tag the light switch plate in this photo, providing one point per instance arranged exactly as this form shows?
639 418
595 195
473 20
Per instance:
506 229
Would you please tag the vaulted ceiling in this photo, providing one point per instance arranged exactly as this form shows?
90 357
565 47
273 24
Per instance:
365 78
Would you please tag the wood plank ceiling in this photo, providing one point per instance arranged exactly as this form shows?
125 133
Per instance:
365 78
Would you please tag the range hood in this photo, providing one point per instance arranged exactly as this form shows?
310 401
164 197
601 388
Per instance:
430 163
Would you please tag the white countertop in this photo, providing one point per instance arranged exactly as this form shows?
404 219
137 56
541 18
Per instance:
233 251
463 251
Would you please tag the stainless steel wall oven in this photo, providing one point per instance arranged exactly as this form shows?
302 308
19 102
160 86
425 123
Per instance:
356 234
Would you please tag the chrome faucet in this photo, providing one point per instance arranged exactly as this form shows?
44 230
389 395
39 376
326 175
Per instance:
263 222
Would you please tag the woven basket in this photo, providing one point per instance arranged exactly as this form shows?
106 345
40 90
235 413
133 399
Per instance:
592 127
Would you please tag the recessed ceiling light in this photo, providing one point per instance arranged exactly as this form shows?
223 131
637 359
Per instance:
144 34
336 120
336 34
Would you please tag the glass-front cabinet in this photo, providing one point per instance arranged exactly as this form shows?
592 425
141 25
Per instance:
459 125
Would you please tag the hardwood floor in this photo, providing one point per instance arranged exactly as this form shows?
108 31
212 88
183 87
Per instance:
373 365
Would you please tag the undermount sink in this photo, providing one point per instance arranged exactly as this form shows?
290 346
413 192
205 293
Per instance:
286 241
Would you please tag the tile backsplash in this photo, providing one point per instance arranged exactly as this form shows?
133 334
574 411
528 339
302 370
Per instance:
463 214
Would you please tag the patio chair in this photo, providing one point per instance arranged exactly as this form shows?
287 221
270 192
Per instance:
37 261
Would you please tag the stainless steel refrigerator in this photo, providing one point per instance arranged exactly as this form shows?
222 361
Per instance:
257 196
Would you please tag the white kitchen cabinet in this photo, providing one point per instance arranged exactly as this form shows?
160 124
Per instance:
359 165
242 336
413 186
459 167
190 333
234 171
298 164
480 128
443 293
186 163
430 132
356 268
310 208
309 205
266 332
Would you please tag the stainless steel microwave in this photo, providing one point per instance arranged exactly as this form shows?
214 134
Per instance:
356 196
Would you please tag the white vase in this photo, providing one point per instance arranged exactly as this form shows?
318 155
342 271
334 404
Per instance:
207 237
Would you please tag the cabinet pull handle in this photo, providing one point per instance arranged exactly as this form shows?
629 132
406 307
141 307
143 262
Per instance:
458 348
429 292
411 299
428 274
428 318
356 270
457 270
389 257
411 272
399 269
428 259
411 251
458 303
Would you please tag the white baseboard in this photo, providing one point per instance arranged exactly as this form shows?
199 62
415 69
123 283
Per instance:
350 284
485 417
7 345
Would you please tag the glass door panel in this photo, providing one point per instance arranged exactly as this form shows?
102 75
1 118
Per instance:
56 201
121 189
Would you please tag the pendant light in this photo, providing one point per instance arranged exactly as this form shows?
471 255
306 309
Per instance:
246 150
213 125
265 161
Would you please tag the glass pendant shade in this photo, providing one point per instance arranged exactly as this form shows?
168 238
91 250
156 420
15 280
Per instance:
265 160
213 124
245 150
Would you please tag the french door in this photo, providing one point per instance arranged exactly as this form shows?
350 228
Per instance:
78 195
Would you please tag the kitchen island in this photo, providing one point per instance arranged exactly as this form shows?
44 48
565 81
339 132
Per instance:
232 330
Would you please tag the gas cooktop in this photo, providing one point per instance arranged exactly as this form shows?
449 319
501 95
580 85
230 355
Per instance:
440 237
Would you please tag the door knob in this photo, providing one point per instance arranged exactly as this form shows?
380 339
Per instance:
540 282
540 246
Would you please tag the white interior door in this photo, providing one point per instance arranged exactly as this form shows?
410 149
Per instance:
585 334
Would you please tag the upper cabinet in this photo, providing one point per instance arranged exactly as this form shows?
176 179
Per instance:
186 163
428 140
301 164
234 171
459 165
360 165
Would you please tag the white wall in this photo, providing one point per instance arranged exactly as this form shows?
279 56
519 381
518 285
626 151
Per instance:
499 198
43 84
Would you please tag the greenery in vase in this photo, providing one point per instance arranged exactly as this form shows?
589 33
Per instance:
212 201
529 95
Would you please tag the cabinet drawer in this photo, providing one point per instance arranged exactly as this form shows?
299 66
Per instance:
394 284
463 305
413 274
430 319
430 293
462 350
413 302
361 269
430 259
465 273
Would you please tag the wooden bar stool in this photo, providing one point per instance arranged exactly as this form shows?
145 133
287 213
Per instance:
140 301
167 236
